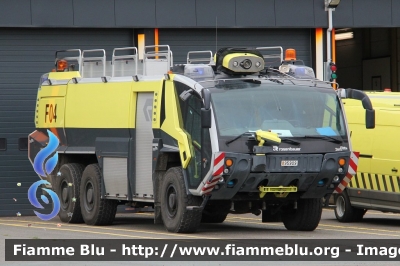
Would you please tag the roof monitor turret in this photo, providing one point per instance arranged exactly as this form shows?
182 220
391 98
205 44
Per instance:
239 61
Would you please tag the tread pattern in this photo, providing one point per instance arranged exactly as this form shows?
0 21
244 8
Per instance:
105 213
351 214
76 170
306 217
189 220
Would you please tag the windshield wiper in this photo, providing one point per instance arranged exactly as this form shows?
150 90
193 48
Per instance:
328 138
237 137
291 141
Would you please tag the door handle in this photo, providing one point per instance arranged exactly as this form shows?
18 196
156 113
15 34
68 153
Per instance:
394 170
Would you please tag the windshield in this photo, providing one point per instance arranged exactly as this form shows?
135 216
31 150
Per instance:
289 110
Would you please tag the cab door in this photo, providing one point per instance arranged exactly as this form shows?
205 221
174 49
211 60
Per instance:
199 138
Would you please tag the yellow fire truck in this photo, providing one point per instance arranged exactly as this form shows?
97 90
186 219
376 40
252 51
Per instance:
220 134
376 184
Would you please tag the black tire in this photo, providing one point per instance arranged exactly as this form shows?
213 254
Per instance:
305 218
95 211
67 186
216 212
271 216
174 200
346 213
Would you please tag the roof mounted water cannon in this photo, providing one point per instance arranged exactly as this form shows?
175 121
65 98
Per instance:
239 61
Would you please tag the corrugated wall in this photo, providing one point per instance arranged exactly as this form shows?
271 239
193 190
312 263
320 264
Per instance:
182 41
197 13
25 54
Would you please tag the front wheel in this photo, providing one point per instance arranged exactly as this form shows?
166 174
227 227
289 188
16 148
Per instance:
95 210
174 200
346 213
305 218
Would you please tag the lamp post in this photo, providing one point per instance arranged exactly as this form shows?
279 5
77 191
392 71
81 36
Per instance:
330 6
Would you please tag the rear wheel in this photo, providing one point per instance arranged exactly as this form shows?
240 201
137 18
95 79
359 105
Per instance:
95 211
66 185
346 213
174 200
305 218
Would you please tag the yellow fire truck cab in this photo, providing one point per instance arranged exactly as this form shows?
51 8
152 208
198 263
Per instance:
220 134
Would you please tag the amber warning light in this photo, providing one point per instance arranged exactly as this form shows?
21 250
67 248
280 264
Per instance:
290 54
61 65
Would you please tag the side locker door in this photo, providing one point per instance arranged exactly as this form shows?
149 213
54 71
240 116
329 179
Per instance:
143 144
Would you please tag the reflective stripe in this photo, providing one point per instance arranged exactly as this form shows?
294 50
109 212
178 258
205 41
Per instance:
218 169
376 182
350 173
219 164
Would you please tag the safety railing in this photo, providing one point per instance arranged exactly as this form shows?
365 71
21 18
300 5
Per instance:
269 56
93 62
157 59
200 57
126 67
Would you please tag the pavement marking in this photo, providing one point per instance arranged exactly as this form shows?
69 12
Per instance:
145 213
360 228
111 229
232 219
373 212
325 225
325 229
80 231
357 232
382 213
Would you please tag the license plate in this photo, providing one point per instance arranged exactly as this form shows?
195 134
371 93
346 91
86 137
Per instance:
289 163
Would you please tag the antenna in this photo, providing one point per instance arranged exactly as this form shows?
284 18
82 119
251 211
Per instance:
216 34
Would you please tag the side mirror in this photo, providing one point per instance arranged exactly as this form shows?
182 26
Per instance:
207 98
366 103
205 118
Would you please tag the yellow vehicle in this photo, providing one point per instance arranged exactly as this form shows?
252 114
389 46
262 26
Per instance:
194 141
376 184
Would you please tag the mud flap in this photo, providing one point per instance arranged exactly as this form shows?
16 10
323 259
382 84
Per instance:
157 203
201 207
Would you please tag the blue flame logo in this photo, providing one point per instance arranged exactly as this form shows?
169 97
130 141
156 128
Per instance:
32 198
43 164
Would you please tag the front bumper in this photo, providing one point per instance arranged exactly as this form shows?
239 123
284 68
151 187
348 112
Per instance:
313 176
